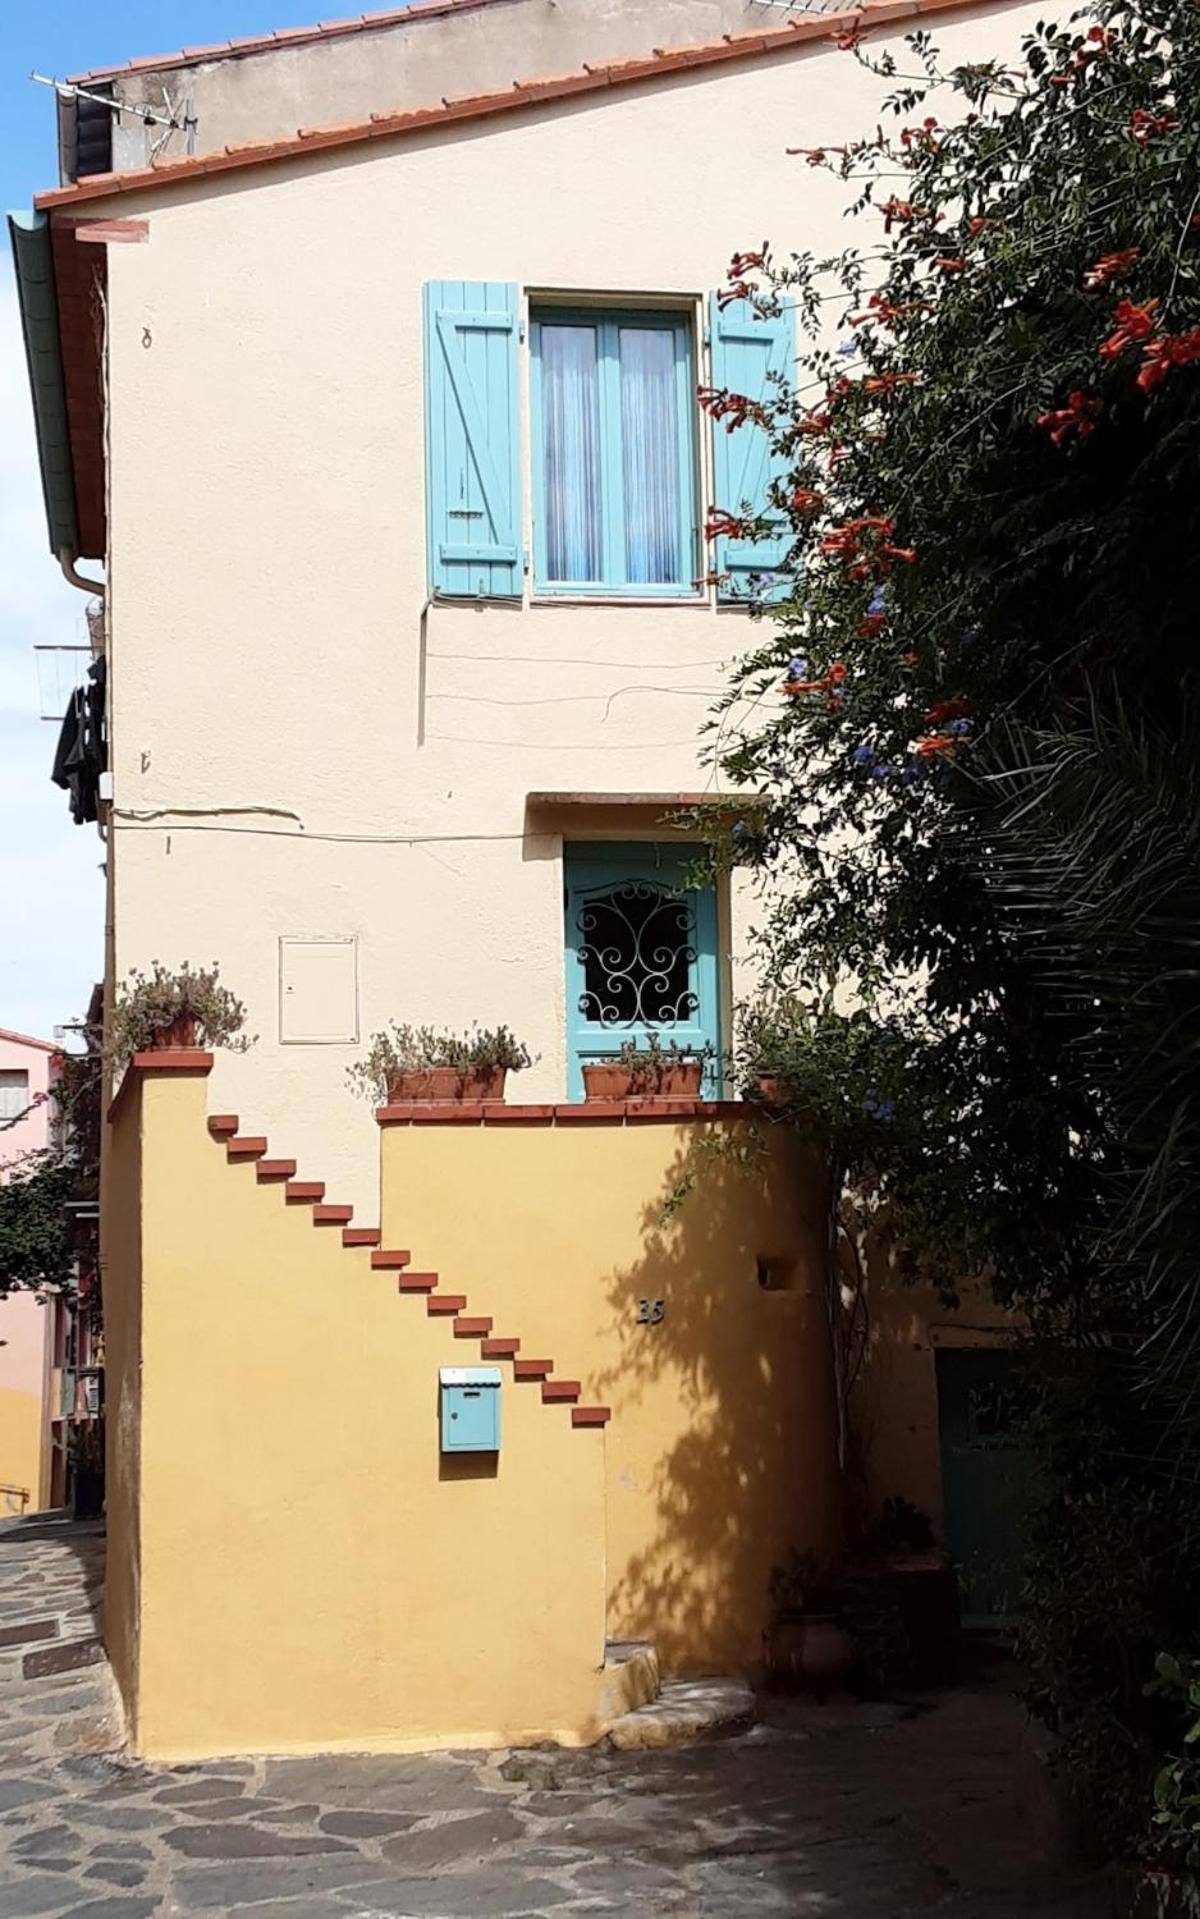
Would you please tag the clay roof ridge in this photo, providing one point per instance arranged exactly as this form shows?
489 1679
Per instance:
413 15
27 1039
522 93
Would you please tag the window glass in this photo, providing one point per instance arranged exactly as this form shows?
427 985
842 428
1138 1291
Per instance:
571 451
14 1094
613 452
638 950
650 454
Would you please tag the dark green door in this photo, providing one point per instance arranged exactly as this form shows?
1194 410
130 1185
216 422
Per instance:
985 1476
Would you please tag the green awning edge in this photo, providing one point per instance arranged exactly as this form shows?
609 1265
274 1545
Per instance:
37 297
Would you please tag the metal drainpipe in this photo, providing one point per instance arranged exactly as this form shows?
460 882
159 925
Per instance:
66 560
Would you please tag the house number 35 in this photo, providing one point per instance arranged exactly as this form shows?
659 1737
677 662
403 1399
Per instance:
650 1312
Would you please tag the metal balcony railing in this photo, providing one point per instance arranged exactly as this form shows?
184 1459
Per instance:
60 669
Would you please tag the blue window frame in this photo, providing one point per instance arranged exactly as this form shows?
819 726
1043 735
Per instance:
642 954
614 453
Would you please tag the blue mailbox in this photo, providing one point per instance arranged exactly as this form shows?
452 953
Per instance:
470 1409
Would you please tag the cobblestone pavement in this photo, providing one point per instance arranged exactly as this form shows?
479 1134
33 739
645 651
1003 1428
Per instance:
844 1811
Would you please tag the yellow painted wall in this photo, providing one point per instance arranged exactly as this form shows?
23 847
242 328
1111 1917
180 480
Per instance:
121 1277
310 1576
20 1452
719 1453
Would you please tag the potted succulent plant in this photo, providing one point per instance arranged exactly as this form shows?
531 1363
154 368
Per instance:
767 1050
161 1009
653 1071
420 1063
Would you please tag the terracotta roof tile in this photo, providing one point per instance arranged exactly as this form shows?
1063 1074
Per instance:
813 27
264 42
27 1039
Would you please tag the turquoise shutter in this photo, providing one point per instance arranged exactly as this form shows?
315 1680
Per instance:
472 439
745 349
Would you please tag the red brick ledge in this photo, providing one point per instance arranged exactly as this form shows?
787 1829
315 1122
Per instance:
596 1112
177 1059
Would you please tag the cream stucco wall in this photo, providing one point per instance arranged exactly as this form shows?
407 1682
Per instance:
301 744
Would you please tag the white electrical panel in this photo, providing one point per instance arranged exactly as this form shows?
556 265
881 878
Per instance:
318 991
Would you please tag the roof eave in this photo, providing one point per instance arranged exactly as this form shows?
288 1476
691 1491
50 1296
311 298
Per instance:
33 261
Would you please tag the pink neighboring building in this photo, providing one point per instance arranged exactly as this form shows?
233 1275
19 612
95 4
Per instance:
31 1466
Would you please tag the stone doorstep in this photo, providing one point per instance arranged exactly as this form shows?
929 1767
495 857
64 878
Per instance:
685 1711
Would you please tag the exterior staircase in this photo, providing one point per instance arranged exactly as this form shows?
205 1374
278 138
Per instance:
636 1709
242 1148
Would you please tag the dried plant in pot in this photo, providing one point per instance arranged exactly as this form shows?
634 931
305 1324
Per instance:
767 1051
806 1645
163 1010
653 1071
419 1063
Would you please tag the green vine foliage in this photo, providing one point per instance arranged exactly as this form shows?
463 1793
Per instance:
1177 1783
36 1246
971 719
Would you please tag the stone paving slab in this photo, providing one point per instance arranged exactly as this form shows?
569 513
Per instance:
846 1811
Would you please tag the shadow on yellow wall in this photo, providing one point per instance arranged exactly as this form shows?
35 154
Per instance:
720 1447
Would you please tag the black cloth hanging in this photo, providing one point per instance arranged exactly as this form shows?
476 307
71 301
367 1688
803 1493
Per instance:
82 751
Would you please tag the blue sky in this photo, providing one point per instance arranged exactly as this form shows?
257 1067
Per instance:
60 37
51 889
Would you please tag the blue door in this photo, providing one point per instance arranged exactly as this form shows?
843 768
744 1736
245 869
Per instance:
641 954
982 1406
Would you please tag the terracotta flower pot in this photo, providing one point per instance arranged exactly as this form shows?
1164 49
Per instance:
181 1032
680 1081
446 1084
809 1649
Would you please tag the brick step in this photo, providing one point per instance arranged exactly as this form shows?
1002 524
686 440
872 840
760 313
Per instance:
245 1146
418 1282
556 1391
223 1127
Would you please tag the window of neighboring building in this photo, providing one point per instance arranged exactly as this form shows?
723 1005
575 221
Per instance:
14 1094
614 462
